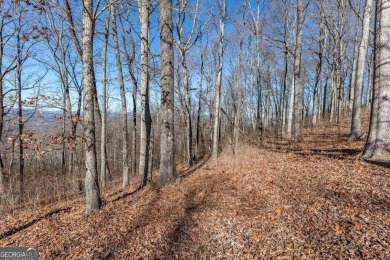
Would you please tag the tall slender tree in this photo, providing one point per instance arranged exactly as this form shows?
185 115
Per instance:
103 134
319 68
217 103
92 191
184 44
356 128
167 146
298 102
237 119
146 120
125 135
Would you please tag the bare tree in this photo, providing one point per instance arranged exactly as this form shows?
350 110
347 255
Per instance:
356 131
4 70
298 102
237 118
184 43
146 120
319 68
219 80
200 98
354 64
103 134
378 143
125 139
91 176
167 146
19 63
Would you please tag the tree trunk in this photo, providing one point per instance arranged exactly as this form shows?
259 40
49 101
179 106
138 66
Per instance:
125 136
378 143
267 107
297 76
354 64
144 6
251 95
2 184
285 99
370 81
356 126
103 134
130 57
237 118
259 119
167 146
93 201
20 102
318 79
198 120
218 83
188 114
290 116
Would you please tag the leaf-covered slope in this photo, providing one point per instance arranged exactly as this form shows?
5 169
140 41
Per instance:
310 203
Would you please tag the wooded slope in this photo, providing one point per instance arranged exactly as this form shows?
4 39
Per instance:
314 201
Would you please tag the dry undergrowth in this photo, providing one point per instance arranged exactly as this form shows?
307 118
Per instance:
318 201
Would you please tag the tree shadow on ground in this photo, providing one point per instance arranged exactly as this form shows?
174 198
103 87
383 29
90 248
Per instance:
339 154
380 163
32 222
195 167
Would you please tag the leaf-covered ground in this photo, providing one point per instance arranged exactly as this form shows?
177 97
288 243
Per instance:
313 201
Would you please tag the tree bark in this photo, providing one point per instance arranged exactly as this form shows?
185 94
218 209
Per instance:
103 134
130 57
167 146
2 183
354 65
188 113
297 76
378 143
237 118
218 83
125 135
144 6
198 120
356 126
318 79
93 201
19 62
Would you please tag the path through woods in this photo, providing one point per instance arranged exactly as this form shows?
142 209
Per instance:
314 201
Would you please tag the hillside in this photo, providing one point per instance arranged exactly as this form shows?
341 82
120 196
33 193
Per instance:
316 200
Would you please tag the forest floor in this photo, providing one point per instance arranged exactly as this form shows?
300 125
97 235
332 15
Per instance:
317 200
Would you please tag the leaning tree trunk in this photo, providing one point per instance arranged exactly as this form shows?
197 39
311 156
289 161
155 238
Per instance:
125 135
297 76
378 143
144 6
356 126
219 82
93 201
